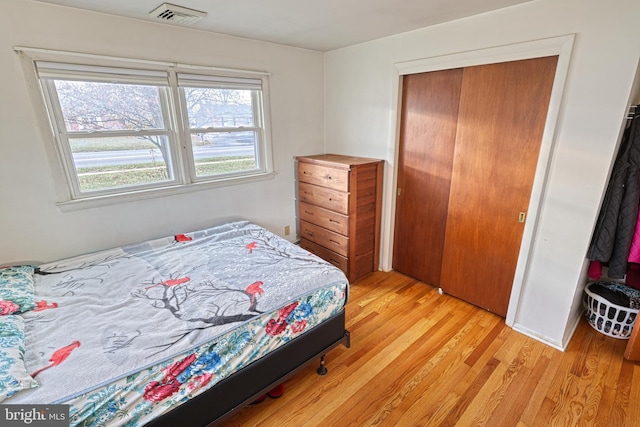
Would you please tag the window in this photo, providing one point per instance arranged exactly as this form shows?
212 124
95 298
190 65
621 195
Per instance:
121 130
224 122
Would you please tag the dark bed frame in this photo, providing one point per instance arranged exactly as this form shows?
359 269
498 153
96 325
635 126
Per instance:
243 387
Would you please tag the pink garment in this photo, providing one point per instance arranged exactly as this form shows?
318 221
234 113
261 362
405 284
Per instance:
595 270
634 251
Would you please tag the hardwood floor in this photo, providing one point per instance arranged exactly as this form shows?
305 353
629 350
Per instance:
418 358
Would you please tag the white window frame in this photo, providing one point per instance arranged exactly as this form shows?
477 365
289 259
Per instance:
176 124
190 80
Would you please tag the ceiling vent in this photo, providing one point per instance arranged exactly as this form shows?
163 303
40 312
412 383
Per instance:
171 13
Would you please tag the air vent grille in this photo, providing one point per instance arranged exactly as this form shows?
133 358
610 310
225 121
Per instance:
168 12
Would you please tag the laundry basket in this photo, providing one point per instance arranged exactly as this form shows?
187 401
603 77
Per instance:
604 316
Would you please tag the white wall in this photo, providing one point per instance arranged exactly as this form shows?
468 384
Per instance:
361 100
33 228
360 112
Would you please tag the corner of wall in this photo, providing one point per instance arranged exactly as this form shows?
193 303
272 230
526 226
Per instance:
539 337
571 329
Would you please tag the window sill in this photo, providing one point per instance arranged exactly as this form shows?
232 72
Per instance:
111 199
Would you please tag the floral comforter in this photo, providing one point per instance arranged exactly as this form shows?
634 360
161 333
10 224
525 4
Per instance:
123 333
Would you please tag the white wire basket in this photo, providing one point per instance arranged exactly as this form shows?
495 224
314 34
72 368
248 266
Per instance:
606 317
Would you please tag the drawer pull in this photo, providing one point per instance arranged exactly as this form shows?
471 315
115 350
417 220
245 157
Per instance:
308 213
310 233
334 242
333 220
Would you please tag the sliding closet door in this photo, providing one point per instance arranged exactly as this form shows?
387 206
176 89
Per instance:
502 114
429 116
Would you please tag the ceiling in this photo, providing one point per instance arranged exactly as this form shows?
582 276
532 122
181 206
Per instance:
312 24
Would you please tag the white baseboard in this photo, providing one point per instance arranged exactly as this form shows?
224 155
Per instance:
538 337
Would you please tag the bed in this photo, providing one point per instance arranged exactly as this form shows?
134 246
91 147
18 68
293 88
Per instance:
183 330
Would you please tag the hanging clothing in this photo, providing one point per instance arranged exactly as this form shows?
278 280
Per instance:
634 250
619 212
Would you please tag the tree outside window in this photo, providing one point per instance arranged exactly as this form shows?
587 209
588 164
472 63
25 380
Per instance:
118 130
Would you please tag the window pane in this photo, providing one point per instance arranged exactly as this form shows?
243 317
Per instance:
219 108
93 106
106 163
216 153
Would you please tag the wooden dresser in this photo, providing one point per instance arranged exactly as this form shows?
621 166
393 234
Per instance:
339 205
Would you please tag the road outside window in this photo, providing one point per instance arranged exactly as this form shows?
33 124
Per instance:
122 130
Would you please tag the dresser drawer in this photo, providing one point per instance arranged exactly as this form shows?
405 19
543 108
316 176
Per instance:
330 240
325 218
324 253
338 179
327 198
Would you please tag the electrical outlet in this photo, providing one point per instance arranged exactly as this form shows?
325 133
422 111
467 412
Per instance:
287 230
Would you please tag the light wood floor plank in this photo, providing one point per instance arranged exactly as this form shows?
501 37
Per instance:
494 390
508 413
633 416
420 397
537 398
421 376
619 415
419 358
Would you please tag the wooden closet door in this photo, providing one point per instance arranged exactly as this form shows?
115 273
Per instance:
503 110
429 115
